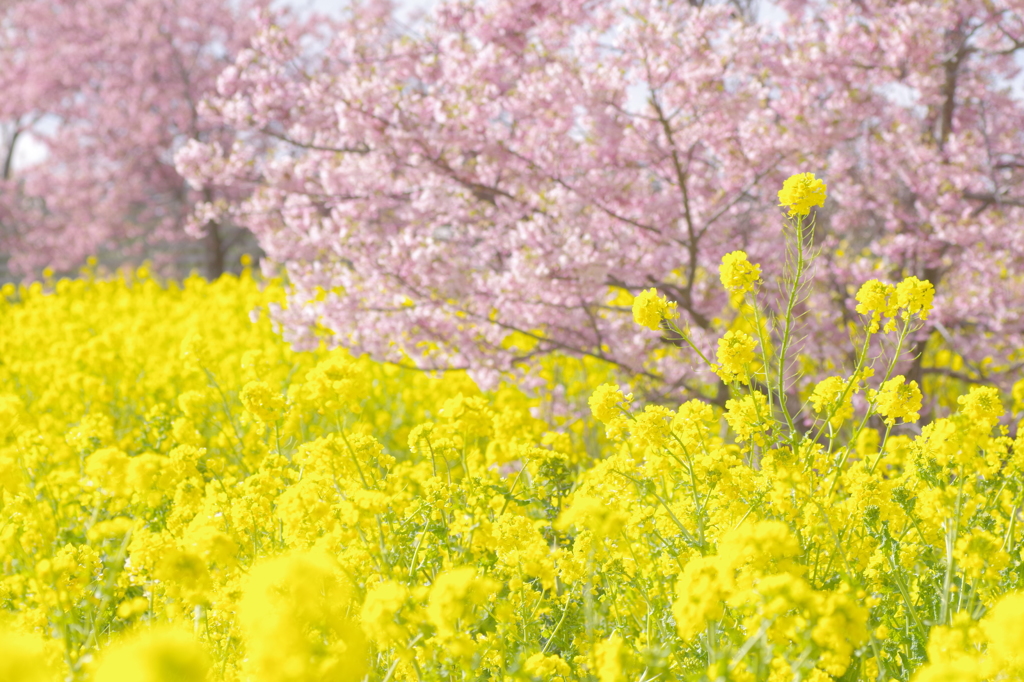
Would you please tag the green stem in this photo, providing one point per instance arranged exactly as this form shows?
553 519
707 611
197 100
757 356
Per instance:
794 289
951 534
558 627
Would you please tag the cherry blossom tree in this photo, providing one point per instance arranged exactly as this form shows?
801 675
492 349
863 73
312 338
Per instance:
496 185
105 91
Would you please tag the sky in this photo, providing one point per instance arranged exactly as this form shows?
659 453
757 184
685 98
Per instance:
768 11
404 7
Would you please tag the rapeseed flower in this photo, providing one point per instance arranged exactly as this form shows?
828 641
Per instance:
897 399
453 596
380 609
1003 625
547 667
982 406
877 299
159 655
608 405
296 623
262 402
833 397
738 275
651 427
397 526
27 657
650 308
608 659
735 355
749 417
800 192
915 297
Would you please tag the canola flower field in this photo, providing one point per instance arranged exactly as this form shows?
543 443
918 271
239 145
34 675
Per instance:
186 498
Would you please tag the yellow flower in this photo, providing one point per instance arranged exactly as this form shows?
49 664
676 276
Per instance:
255 364
748 417
592 514
802 191
608 659
383 602
651 427
161 655
649 309
547 667
193 403
337 383
877 299
898 400
694 422
519 545
262 401
915 297
453 596
606 403
826 398
953 653
1004 628
738 274
137 489
735 353
701 592
982 406
959 669
26 658
980 555
195 351
107 468
10 409
94 431
295 620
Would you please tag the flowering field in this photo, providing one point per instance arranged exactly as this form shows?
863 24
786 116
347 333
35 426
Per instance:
186 498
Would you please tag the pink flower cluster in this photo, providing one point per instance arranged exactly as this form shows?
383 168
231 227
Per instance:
97 97
504 170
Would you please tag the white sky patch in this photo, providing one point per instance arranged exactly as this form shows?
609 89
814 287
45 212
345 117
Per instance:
770 14
29 150
406 10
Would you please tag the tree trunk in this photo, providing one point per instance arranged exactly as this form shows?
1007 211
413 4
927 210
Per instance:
214 251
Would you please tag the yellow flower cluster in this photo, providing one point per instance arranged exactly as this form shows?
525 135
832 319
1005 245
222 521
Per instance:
899 400
738 275
756 580
971 651
834 397
650 308
735 353
186 498
911 297
801 192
